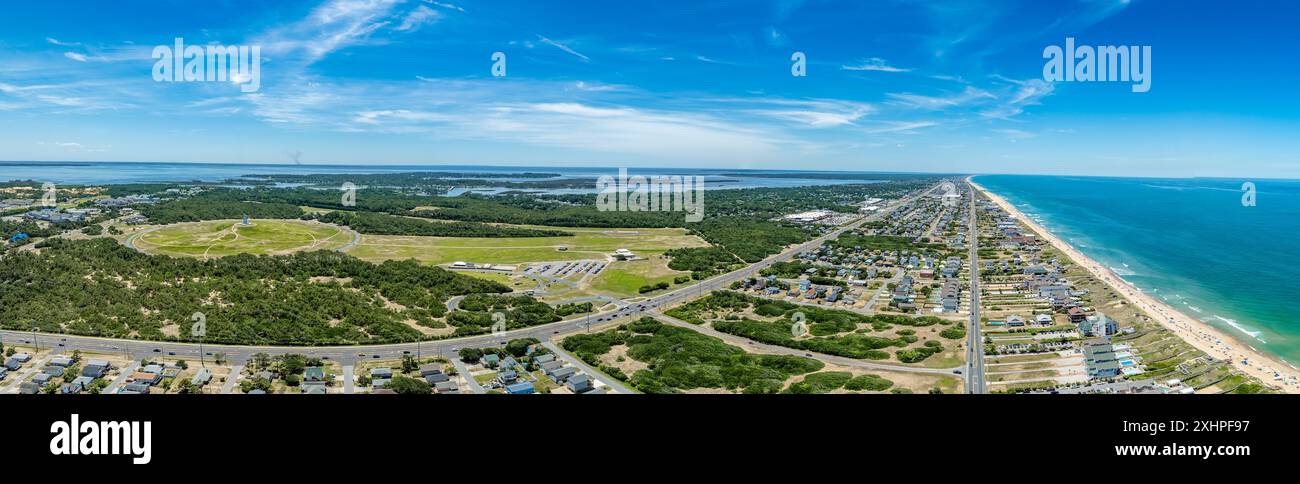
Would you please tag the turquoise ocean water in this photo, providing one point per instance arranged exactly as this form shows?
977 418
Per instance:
1190 242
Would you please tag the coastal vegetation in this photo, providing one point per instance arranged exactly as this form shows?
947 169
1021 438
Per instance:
101 288
678 359
829 331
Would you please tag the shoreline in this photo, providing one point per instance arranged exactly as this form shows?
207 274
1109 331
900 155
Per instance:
1201 335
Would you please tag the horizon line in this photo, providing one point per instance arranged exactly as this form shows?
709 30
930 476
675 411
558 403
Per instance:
508 165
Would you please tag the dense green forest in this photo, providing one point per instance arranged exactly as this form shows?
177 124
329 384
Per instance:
474 314
99 287
211 208
383 224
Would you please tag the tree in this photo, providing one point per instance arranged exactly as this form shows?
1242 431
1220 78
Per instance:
261 361
257 383
470 355
292 365
407 385
409 364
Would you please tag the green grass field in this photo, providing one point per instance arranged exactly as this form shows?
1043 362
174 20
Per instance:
228 237
586 243
625 278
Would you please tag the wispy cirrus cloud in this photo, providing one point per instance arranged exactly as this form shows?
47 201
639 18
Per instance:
418 17
334 25
563 47
966 97
873 64
447 6
60 43
815 113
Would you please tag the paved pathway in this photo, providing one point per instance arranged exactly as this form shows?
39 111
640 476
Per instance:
232 379
121 378
591 372
469 379
349 380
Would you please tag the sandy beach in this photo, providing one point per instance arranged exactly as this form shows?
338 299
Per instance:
1207 338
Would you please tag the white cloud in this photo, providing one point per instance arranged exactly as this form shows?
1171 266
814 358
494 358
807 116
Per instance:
417 18
775 38
61 43
447 6
874 64
1025 93
75 56
709 60
902 126
816 113
968 96
563 47
332 26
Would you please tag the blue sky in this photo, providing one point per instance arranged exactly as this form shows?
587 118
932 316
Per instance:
890 86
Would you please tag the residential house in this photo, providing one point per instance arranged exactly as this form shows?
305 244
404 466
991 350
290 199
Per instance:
313 374
202 377
135 387
146 378
579 383
520 388
430 369
95 368
82 382
560 375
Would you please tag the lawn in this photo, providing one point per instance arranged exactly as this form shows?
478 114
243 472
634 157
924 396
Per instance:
583 244
626 277
227 237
